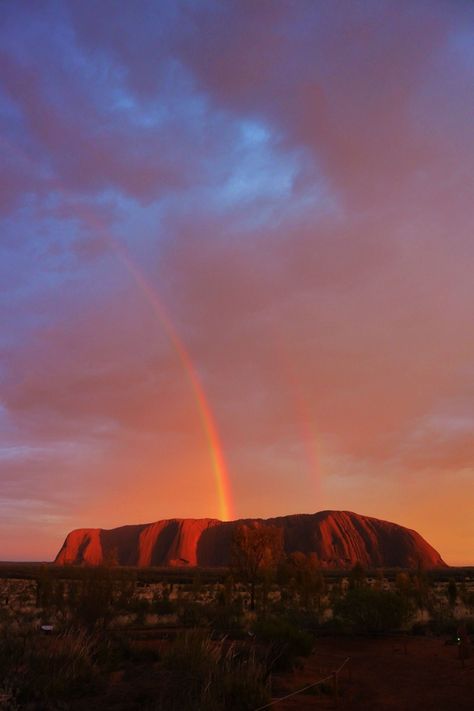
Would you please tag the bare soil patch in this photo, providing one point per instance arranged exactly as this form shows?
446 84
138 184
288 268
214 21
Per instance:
429 676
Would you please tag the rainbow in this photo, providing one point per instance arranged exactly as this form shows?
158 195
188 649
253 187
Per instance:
208 423
226 509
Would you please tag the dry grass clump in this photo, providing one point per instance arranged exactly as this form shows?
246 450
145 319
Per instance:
208 675
38 671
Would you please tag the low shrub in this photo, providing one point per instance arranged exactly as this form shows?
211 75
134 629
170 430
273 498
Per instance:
331 627
443 623
163 606
192 614
205 675
226 618
419 629
45 671
286 641
373 611
141 607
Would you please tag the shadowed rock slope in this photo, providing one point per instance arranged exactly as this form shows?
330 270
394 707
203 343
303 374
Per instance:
338 538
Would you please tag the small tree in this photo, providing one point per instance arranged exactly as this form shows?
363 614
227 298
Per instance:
466 596
357 577
421 588
44 588
256 549
94 599
310 585
452 593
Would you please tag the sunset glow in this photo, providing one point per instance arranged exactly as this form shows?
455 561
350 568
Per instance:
236 265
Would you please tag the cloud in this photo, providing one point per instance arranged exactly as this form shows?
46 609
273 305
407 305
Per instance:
293 184
440 443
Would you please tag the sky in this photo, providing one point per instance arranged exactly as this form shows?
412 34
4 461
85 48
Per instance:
236 264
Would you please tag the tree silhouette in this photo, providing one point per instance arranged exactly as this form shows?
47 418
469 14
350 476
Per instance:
256 549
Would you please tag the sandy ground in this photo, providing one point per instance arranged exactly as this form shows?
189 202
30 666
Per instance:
383 677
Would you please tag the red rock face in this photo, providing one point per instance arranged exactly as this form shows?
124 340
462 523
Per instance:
339 539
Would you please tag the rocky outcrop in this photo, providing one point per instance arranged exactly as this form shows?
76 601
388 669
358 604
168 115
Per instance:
339 539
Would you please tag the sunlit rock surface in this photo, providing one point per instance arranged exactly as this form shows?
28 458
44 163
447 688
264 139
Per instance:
339 539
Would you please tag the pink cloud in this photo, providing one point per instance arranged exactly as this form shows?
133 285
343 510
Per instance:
318 270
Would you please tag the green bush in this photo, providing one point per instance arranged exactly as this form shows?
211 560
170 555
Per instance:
192 614
163 606
141 607
304 619
92 602
419 629
373 611
331 627
286 641
226 618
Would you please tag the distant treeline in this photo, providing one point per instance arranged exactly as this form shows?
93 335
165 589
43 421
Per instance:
186 575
